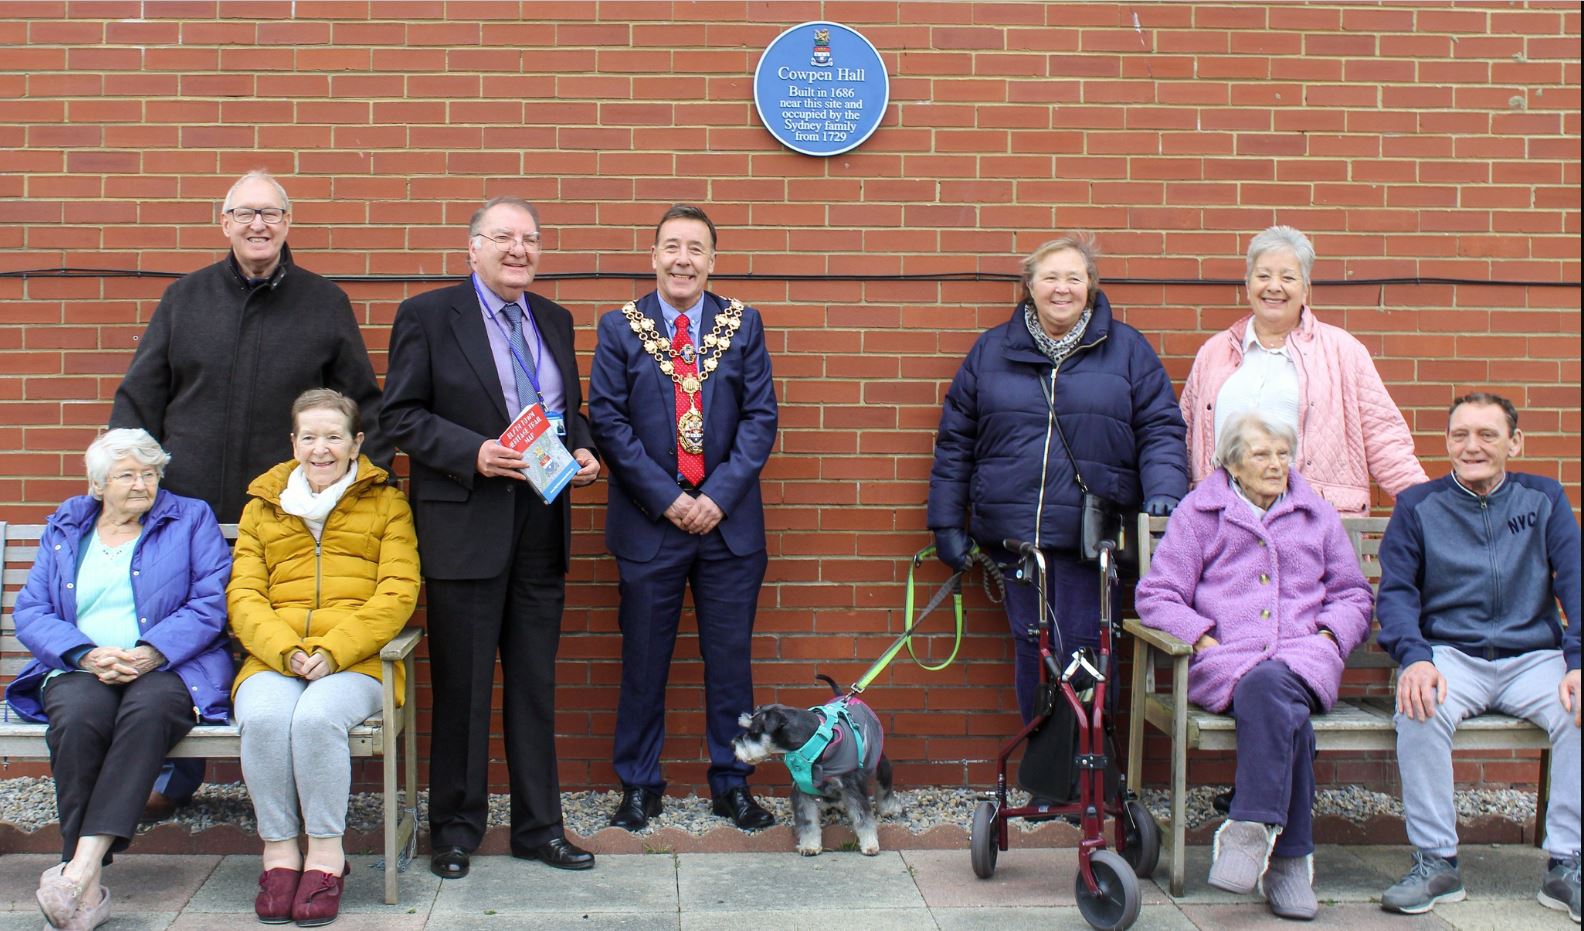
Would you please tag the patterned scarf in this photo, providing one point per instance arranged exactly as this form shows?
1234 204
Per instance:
1056 349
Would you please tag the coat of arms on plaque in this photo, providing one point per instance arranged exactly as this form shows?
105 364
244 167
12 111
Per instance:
822 55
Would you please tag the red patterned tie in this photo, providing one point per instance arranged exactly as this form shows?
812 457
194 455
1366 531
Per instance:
691 465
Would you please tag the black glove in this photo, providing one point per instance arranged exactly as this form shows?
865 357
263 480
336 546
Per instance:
1160 505
952 545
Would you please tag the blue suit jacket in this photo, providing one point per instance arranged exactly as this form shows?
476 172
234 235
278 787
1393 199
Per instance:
632 409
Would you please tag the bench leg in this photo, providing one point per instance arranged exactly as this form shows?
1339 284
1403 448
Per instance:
1179 777
1135 760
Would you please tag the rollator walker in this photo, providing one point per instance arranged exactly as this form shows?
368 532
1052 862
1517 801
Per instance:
1075 688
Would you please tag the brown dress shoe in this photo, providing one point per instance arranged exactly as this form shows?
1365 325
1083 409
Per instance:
157 808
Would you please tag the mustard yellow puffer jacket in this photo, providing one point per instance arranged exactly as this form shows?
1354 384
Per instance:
348 595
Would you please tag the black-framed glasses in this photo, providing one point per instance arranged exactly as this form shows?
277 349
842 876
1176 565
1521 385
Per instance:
270 215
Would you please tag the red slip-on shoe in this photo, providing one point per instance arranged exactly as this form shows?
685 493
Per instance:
318 898
277 889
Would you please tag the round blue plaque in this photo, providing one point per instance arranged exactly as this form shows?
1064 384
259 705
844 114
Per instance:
821 88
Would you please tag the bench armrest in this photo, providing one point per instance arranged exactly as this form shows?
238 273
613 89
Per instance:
1157 639
402 646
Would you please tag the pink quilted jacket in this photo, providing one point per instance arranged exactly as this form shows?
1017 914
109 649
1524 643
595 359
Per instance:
1349 429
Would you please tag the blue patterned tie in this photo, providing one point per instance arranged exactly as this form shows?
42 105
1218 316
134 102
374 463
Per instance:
525 389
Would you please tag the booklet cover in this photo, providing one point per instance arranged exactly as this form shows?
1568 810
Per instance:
550 467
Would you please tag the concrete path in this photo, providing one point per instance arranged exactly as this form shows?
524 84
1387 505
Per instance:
914 889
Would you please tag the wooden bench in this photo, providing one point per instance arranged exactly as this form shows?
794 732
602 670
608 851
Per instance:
1356 723
376 737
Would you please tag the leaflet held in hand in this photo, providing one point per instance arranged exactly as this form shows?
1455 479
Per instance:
549 466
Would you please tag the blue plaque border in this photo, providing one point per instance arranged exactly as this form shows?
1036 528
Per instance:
785 137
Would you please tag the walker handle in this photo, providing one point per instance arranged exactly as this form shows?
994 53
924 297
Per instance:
1026 550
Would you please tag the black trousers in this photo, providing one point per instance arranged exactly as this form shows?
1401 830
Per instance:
517 615
106 745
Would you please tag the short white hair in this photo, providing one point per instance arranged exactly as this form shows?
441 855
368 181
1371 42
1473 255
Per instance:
1282 237
257 174
1233 443
114 445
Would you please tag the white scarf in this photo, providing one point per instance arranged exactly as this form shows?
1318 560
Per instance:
313 507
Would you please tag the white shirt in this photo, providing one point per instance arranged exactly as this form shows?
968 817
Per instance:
1267 381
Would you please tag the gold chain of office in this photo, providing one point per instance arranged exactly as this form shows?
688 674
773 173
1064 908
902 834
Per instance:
690 424
707 355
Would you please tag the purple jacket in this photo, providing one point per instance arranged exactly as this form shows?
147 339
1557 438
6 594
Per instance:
179 571
1264 589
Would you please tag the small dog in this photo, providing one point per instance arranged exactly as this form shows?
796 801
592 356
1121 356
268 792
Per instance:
838 775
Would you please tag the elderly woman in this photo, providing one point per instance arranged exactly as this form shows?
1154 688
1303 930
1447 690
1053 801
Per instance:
1060 400
1257 573
124 613
326 574
1317 379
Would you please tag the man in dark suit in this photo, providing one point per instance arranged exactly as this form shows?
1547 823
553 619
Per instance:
463 361
685 413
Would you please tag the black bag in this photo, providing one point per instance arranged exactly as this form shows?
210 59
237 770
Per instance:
1104 519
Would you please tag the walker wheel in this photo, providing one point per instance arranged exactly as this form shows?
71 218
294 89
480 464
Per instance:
1143 839
1114 903
984 842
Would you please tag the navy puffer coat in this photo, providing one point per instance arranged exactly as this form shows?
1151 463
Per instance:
1114 402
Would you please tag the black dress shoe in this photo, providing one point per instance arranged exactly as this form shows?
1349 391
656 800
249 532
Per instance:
449 862
637 806
738 805
561 854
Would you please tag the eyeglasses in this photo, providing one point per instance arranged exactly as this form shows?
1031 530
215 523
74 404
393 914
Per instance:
147 476
1265 456
270 215
530 241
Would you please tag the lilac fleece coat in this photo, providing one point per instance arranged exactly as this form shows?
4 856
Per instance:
1264 589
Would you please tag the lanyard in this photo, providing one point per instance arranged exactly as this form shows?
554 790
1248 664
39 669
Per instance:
532 373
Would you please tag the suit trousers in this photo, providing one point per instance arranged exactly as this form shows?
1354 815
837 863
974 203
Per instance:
106 744
725 598
516 614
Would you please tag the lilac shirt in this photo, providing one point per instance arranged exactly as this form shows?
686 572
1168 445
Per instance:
551 389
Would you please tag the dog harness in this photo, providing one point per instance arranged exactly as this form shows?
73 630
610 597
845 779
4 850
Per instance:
848 740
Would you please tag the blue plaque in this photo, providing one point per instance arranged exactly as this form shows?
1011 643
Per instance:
821 88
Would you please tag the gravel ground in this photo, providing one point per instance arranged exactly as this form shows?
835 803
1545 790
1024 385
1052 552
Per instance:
29 803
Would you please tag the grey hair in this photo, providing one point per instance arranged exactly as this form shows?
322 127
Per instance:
1282 237
257 174
1232 445
112 446
476 224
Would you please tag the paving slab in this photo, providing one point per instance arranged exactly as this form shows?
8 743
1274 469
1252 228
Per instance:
1340 875
119 921
233 885
209 921
1350 917
1151 918
644 883
813 919
1503 915
556 921
729 882
1489 871
1023 877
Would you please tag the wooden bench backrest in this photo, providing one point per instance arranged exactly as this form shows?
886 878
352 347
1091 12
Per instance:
20 548
1364 532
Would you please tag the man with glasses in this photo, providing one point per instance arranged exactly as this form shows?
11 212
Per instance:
232 345
228 349
464 360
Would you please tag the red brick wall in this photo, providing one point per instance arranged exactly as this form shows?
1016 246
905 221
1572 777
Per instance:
1408 140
